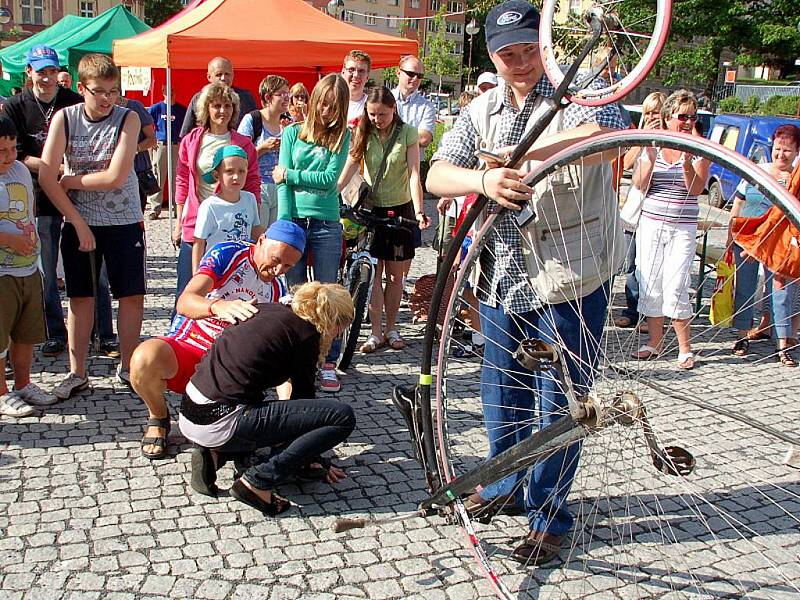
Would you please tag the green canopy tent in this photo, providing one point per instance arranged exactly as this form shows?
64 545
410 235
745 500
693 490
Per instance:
71 37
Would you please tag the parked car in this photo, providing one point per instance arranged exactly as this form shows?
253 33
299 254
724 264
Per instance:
706 117
750 136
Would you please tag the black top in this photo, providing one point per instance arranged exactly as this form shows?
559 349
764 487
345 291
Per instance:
246 104
260 353
32 119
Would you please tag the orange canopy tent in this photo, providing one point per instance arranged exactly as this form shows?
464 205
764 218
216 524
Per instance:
257 34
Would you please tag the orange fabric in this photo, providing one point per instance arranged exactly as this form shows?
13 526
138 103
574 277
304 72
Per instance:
297 36
771 238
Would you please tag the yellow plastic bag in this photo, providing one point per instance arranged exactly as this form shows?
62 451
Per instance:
722 299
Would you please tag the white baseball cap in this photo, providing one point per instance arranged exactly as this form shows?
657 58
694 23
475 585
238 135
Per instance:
487 77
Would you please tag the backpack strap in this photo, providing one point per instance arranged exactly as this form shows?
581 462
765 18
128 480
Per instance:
258 125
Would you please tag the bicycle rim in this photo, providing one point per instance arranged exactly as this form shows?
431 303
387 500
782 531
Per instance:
359 291
634 33
729 528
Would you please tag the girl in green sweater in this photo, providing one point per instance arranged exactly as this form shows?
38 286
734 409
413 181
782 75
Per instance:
312 156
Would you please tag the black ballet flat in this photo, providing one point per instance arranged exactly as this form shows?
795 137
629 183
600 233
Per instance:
204 473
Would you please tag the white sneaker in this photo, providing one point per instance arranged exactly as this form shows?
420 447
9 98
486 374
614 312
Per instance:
124 377
71 385
328 380
12 405
36 396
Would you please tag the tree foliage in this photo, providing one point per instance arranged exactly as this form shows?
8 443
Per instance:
158 11
440 58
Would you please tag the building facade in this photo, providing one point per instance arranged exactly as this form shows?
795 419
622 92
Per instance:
32 16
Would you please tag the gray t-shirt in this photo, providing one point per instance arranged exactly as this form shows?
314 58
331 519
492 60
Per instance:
90 146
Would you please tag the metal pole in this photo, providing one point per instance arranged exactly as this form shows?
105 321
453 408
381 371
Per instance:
469 62
170 174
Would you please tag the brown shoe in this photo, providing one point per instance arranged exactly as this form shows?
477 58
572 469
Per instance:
538 548
482 508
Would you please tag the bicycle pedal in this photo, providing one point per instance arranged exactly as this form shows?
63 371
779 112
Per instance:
536 355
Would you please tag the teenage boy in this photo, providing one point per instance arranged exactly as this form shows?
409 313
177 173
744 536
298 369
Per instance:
97 142
21 308
355 70
159 113
32 112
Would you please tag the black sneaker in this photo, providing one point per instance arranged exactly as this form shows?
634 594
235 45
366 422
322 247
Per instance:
53 347
110 348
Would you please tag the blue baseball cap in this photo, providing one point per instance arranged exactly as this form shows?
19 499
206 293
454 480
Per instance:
287 232
509 23
41 57
220 155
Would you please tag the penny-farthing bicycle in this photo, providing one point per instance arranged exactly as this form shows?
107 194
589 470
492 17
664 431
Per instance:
681 490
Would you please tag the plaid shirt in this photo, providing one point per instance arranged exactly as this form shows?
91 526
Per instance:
504 278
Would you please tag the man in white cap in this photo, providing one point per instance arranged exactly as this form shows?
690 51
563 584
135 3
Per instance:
512 304
486 81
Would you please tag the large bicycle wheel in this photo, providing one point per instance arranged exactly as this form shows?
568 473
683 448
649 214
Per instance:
634 33
730 527
359 291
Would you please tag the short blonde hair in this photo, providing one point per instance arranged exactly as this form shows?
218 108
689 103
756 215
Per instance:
327 306
216 91
654 101
675 100
97 66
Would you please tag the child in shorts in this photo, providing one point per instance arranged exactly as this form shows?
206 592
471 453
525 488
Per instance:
96 141
230 215
21 305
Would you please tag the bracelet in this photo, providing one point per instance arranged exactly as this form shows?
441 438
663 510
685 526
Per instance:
483 183
210 306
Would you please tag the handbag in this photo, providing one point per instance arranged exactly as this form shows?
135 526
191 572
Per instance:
722 308
359 192
148 184
631 211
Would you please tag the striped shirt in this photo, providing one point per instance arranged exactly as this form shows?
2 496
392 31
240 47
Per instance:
230 266
667 198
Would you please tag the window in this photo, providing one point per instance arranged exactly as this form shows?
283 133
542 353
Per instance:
574 6
457 49
369 18
393 2
435 5
348 16
454 27
760 155
392 22
727 137
455 7
32 11
414 3
87 9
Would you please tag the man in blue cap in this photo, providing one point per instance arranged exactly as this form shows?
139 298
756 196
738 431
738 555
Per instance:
514 302
231 279
32 110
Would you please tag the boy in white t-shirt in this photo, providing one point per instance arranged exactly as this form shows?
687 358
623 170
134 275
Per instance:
232 213
21 305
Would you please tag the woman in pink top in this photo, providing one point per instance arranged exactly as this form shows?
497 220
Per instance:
217 114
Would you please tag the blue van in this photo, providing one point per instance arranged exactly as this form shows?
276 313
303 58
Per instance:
750 136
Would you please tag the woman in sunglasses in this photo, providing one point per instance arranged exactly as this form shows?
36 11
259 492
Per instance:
298 102
665 240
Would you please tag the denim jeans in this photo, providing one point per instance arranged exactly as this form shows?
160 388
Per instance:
515 399
308 427
49 229
184 271
324 241
631 283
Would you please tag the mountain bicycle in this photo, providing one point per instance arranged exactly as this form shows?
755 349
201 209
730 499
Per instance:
707 516
358 269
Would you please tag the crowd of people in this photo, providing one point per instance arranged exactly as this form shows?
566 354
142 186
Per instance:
257 202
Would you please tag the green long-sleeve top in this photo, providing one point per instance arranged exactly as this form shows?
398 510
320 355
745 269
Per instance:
312 172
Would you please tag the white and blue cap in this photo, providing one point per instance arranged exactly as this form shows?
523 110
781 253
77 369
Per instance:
40 57
512 22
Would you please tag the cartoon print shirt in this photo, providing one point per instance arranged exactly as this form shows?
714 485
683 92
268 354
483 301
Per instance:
17 216
221 221
231 268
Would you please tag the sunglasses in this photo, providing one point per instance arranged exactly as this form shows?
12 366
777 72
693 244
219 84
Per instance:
683 117
413 74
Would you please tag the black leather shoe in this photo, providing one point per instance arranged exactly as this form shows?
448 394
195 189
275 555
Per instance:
204 473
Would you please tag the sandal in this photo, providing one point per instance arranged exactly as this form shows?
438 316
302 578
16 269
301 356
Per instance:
204 472
646 352
538 548
686 361
786 359
309 472
373 343
159 440
394 340
624 322
276 505
741 347
484 509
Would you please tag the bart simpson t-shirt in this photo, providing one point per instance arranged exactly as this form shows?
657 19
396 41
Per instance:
17 217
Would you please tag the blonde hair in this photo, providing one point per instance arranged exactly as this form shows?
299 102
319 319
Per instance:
465 98
675 100
327 306
313 130
97 66
654 101
269 85
216 91
297 89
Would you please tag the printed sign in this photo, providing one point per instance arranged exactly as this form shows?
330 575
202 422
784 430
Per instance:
137 78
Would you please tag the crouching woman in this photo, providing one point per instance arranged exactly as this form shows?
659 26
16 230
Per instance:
224 411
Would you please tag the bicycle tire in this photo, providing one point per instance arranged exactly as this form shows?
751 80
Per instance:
637 522
359 291
623 41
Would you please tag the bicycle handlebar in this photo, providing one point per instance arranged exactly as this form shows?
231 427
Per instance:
365 217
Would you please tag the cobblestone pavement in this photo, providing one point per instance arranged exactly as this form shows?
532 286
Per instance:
83 515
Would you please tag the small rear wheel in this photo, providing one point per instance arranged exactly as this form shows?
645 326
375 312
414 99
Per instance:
715 196
359 291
